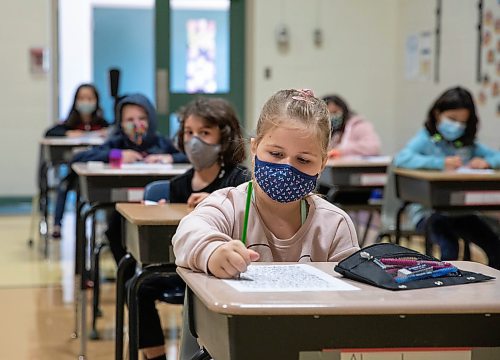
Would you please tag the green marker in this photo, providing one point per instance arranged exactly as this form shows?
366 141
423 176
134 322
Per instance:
247 210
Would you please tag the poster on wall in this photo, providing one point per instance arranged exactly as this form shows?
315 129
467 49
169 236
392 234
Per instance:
418 56
489 76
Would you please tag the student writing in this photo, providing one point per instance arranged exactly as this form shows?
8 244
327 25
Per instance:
447 142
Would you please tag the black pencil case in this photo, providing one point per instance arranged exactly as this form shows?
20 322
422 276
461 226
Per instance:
364 266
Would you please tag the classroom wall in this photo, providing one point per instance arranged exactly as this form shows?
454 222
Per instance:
357 58
457 65
25 98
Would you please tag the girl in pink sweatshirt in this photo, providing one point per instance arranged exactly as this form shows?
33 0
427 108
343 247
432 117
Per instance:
351 133
286 221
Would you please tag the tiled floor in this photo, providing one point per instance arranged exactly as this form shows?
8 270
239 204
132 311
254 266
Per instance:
36 297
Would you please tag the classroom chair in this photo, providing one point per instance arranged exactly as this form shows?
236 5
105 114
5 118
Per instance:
160 276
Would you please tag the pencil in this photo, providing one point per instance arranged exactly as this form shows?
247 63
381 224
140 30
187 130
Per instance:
247 210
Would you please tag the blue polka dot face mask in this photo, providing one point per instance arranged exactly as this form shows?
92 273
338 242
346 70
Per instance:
283 182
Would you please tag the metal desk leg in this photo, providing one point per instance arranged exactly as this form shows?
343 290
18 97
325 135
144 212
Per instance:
84 276
398 222
123 267
78 257
139 278
367 229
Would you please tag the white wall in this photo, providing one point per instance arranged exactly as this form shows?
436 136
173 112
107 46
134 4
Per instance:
457 65
76 46
357 58
362 58
24 97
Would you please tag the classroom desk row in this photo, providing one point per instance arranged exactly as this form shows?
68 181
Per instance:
101 187
105 187
234 325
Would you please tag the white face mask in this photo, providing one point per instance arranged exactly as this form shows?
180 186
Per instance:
85 107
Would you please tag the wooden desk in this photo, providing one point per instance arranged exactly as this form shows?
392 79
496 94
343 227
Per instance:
279 325
107 184
55 151
443 190
58 150
356 176
149 229
102 187
446 191
356 172
148 239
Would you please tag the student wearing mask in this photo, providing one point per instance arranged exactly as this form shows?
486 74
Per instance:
448 142
85 118
210 135
352 134
136 139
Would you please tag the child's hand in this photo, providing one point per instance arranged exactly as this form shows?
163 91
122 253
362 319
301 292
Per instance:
196 198
231 259
130 156
452 162
159 158
74 133
478 163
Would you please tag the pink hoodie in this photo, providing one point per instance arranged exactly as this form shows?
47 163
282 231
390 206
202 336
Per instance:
359 138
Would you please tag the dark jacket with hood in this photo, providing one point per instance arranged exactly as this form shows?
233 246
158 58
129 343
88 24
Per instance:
152 142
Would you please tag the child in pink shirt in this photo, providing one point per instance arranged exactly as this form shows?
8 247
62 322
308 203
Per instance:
351 133
287 222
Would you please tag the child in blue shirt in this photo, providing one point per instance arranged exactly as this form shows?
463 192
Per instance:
448 142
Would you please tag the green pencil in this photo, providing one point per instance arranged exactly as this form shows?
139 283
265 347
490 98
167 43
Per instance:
247 210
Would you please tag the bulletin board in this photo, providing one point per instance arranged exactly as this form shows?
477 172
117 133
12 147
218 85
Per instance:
489 55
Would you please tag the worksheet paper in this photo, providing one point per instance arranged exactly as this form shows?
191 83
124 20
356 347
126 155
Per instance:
286 278
466 170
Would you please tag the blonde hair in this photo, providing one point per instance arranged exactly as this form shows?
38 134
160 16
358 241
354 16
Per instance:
296 105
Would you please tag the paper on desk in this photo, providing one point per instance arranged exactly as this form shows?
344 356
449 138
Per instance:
466 170
378 158
294 277
145 166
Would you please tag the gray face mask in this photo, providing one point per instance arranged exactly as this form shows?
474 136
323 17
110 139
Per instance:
201 154
85 107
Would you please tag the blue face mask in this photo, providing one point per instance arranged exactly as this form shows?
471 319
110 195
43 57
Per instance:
283 182
451 130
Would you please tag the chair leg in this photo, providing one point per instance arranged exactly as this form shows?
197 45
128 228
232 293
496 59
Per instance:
33 219
126 263
96 312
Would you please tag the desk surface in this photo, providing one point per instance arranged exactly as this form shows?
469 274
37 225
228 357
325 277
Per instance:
359 161
83 169
221 298
72 141
433 175
153 215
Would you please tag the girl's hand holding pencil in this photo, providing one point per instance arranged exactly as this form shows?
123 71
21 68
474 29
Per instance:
231 259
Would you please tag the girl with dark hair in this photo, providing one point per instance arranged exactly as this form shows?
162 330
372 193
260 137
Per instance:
448 142
351 133
85 115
